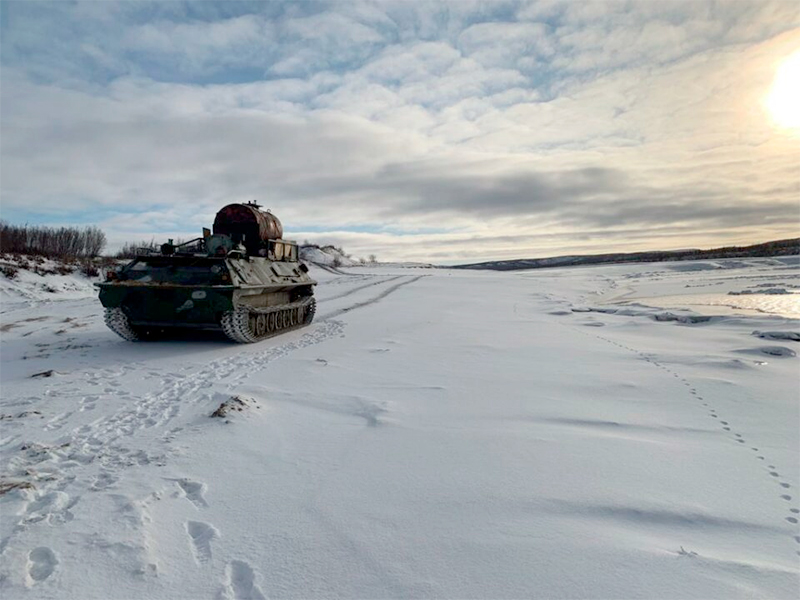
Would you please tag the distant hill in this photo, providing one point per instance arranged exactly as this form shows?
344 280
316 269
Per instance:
776 248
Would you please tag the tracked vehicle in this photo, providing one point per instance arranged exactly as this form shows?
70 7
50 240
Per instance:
243 279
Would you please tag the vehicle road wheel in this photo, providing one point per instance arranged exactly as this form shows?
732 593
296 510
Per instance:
261 325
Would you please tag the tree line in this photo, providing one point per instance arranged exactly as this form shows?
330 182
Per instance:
52 242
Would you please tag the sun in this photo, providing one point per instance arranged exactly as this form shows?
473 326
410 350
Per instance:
783 100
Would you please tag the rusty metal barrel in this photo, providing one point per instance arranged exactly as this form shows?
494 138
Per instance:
246 223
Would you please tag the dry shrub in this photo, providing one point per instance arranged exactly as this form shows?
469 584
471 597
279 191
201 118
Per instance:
52 242
9 271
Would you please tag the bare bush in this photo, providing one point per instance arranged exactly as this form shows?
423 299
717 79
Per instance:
107 262
9 271
132 249
66 243
95 241
89 269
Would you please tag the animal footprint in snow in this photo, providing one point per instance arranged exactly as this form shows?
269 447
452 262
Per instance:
240 584
41 563
201 535
194 491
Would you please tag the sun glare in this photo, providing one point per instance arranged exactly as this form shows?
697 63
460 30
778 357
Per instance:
783 100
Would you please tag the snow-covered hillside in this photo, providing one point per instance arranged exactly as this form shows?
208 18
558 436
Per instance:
562 433
326 255
35 278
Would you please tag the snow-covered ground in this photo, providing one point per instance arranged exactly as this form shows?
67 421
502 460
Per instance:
555 433
42 279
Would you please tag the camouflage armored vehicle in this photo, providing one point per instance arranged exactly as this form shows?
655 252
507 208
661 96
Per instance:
243 280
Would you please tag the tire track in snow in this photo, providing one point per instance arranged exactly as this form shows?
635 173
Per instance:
240 366
375 300
359 288
347 280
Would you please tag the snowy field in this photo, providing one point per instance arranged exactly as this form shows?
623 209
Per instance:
565 433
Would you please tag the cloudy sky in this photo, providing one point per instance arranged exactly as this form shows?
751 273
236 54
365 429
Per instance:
440 131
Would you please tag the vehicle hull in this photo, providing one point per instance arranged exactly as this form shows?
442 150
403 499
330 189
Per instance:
139 308
169 305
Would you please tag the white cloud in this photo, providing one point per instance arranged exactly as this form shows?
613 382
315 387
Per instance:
589 126
200 42
507 44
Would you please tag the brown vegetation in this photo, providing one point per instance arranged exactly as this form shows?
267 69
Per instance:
132 249
7 486
52 242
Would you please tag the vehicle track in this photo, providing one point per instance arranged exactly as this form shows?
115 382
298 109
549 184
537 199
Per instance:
375 300
360 287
